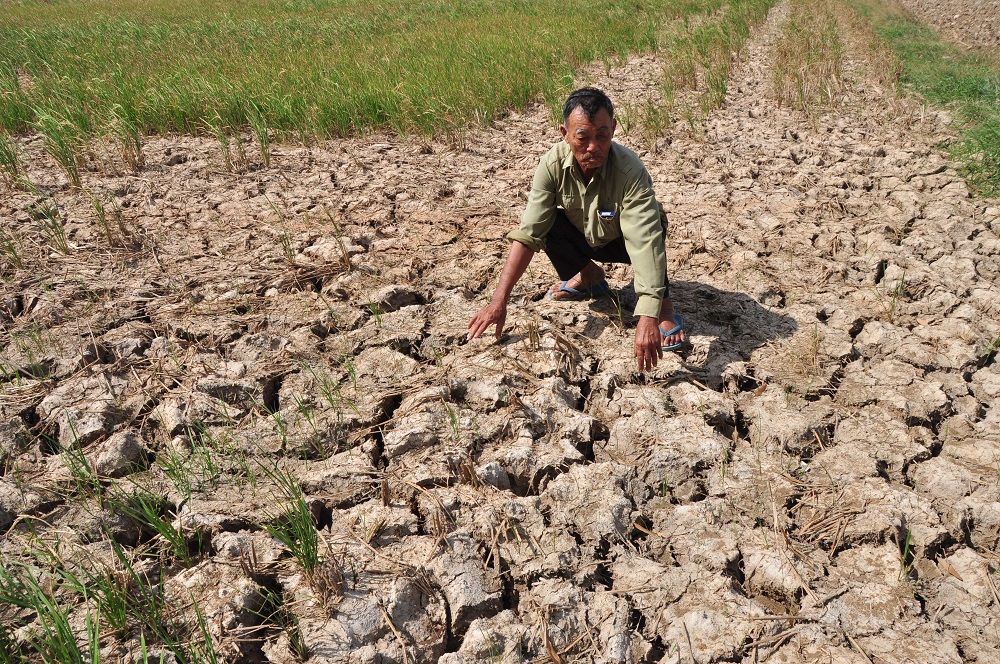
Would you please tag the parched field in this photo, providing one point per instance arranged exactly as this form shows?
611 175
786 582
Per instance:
240 420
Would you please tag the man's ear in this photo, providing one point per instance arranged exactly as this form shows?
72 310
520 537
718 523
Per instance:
563 130
614 125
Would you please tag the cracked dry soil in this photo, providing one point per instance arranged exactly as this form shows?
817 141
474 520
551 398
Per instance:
827 449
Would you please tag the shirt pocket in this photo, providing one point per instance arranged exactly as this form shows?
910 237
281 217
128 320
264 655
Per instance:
607 222
573 205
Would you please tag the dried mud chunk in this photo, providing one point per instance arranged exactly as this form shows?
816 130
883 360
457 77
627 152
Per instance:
84 409
917 640
750 476
492 473
497 638
870 608
12 503
666 450
776 416
710 620
770 569
870 510
867 563
524 542
975 447
343 479
873 442
254 546
396 296
702 533
176 414
687 399
232 385
233 607
118 456
379 524
252 348
984 524
985 383
567 613
650 585
590 501
14 436
472 590
894 385
402 330
420 421
484 394
941 478
385 365
627 400
531 463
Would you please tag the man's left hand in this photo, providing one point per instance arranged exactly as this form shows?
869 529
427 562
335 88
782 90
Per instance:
648 343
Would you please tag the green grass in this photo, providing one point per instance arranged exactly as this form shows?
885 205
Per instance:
944 74
302 67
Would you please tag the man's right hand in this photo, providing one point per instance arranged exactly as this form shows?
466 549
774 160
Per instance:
495 313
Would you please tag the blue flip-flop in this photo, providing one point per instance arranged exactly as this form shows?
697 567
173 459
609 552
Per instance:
674 330
597 290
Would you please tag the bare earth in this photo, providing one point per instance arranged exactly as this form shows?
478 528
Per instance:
828 446
969 22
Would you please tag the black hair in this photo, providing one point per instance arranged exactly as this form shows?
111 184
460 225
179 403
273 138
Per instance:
591 100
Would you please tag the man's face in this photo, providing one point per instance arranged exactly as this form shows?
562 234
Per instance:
590 140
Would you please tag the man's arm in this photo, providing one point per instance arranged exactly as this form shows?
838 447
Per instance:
495 313
644 241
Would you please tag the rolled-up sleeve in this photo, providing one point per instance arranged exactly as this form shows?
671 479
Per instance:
540 212
644 241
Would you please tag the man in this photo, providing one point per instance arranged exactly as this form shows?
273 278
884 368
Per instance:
593 199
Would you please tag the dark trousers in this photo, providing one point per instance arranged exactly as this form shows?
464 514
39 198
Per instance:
569 250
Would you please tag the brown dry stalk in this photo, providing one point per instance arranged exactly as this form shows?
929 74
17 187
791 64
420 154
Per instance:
808 69
399 637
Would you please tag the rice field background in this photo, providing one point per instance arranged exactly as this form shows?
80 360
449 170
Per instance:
313 68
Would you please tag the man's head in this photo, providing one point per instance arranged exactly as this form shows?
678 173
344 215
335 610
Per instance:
588 127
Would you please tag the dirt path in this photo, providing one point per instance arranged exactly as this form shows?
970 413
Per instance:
827 448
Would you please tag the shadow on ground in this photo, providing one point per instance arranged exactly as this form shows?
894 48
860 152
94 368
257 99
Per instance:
723 326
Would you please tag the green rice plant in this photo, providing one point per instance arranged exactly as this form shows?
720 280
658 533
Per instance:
61 140
989 352
12 169
258 124
53 638
145 605
313 69
9 651
85 479
174 465
149 511
128 136
12 249
705 52
111 221
202 458
294 527
202 651
225 147
46 214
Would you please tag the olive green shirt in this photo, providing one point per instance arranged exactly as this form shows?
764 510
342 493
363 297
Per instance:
619 201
